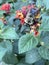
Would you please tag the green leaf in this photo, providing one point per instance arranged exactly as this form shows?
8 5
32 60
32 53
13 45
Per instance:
24 0
10 34
10 59
3 63
44 38
27 42
23 64
1 24
46 3
44 52
39 3
25 28
15 46
1 1
7 45
40 62
32 56
2 52
45 23
1 13
8 0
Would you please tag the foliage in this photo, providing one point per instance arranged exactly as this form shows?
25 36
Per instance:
24 32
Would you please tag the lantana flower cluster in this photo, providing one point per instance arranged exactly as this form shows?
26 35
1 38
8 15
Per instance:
30 15
5 7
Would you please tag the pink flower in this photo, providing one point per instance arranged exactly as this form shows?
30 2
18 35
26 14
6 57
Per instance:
6 7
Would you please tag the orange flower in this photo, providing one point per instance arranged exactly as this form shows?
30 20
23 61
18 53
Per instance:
37 16
19 14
